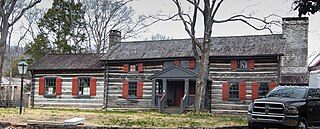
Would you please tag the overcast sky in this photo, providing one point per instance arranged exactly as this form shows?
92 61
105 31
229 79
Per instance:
258 8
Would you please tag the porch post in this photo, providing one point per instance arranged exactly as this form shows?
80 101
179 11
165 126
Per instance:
153 97
164 84
186 90
164 89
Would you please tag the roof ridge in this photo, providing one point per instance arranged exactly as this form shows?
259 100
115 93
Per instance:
179 39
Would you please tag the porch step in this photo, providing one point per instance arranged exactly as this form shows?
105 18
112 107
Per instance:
171 110
229 112
229 106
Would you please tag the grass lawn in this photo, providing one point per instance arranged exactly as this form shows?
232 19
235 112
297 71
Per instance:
122 118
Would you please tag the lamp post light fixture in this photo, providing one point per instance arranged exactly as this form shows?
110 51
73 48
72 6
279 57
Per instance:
22 68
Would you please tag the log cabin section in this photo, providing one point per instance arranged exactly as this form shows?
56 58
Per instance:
236 81
128 86
67 80
140 84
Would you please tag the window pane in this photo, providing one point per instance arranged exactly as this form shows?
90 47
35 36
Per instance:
84 86
234 90
242 64
185 63
50 86
132 91
132 68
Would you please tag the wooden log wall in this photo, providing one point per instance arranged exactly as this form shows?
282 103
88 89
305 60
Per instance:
66 99
265 70
116 78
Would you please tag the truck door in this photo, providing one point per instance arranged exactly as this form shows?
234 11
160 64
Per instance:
313 105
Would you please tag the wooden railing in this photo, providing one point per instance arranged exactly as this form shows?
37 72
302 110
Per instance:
191 99
183 103
161 103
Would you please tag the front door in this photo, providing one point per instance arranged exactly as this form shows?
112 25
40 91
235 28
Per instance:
179 92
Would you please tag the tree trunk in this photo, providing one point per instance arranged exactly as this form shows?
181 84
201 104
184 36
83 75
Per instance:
203 75
3 42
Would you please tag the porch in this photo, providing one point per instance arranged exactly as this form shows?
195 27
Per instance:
174 88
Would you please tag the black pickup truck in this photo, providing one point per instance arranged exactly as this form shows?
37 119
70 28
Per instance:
292 107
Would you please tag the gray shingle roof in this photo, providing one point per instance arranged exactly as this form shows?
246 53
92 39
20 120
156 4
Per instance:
221 46
67 61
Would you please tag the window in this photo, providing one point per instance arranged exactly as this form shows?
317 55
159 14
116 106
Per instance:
185 63
132 90
233 90
314 94
288 92
263 89
133 68
50 86
242 64
84 87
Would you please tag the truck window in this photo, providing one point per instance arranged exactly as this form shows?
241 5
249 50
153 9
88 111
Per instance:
314 94
288 92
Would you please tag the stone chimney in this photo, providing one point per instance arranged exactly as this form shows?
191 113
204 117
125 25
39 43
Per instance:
295 28
114 37
295 34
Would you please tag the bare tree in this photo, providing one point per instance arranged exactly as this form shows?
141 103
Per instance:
29 27
159 37
208 9
105 15
11 11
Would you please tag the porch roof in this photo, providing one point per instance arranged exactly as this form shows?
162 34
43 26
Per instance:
174 72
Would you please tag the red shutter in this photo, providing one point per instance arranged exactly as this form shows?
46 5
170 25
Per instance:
242 91
233 65
192 64
140 89
272 85
254 90
74 86
251 64
140 67
177 62
225 91
126 68
93 86
58 86
124 89
41 86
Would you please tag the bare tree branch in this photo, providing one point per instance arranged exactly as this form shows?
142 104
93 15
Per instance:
195 45
244 19
216 9
186 24
32 4
196 3
103 16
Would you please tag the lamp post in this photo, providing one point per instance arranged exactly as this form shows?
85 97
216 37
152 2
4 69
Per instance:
22 68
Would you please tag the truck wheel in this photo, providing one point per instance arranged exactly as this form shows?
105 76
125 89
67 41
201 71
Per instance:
302 124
